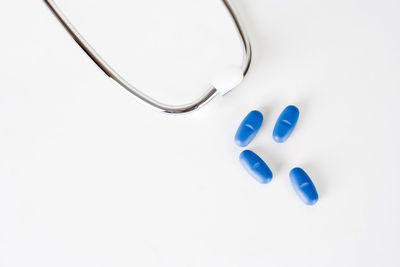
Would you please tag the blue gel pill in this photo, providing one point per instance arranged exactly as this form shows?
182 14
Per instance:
303 186
248 129
285 124
256 167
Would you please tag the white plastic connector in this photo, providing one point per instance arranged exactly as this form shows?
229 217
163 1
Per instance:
227 79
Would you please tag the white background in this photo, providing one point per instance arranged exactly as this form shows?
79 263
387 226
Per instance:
91 177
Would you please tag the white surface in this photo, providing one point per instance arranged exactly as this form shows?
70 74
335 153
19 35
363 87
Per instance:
91 177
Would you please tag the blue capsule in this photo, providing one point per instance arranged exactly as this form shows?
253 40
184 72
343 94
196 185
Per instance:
285 124
303 186
248 129
256 167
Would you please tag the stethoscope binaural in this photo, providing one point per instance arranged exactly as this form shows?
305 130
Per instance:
238 74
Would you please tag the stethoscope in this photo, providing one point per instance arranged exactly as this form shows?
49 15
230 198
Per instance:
230 77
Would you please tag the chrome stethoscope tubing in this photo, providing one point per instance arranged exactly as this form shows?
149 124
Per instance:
204 99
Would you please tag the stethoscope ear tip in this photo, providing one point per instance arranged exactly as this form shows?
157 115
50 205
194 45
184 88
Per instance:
228 78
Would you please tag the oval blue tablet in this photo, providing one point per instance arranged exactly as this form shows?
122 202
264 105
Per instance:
303 186
248 129
256 167
285 124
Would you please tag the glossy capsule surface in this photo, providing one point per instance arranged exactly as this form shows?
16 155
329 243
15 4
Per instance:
256 167
303 186
249 128
285 124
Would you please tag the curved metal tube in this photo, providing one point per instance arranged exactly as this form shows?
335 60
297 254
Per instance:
103 65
